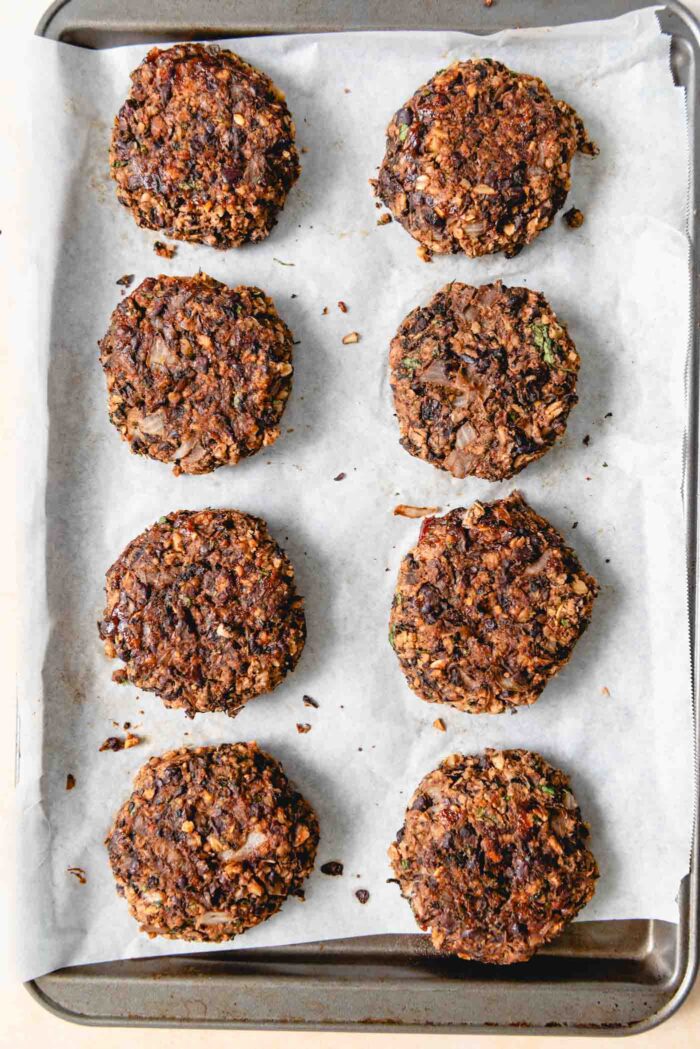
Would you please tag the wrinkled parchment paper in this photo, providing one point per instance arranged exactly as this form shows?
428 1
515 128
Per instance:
618 719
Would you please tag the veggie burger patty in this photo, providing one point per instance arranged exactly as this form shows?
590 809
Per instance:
203 610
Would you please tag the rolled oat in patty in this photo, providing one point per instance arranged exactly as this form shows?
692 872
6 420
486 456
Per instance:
483 379
198 374
203 610
488 607
492 855
479 159
203 148
211 842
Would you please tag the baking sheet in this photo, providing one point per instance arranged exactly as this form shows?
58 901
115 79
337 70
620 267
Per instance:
618 718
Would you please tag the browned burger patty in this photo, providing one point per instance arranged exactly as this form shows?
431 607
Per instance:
483 379
488 607
198 374
203 610
492 855
211 842
479 159
203 148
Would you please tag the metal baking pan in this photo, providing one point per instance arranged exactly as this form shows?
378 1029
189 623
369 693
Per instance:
616 977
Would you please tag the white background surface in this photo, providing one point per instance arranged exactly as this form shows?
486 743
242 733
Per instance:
24 1020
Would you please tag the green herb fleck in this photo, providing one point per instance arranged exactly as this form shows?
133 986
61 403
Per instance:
548 790
411 363
392 635
162 520
403 132
543 342
120 163
404 865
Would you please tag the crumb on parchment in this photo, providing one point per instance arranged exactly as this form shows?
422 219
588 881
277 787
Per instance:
166 251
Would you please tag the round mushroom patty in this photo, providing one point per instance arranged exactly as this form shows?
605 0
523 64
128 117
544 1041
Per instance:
488 607
483 379
492 855
203 610
211 842
203 148
198 374
479 159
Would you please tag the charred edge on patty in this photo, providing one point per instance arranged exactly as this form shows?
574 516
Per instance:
492 855
198 374
211 842
203 610
479 159
483 379
488 607
203 148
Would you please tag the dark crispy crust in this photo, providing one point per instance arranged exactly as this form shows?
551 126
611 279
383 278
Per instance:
478 160
492 855
211 842
203 610
483 379
198 374
488 607
203 148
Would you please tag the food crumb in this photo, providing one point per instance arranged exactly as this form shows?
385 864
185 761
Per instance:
424 253
70 781
127 280
362 895
112 743
116 743
574 218
342 306
605 691
340 477
608 415
384 219
488 3
586 440
78 873
351 337
324 311
309 701
333 867
166 251
574 525
439 724
402 510
303 728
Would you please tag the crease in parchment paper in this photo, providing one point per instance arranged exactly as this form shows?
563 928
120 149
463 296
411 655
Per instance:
617 719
